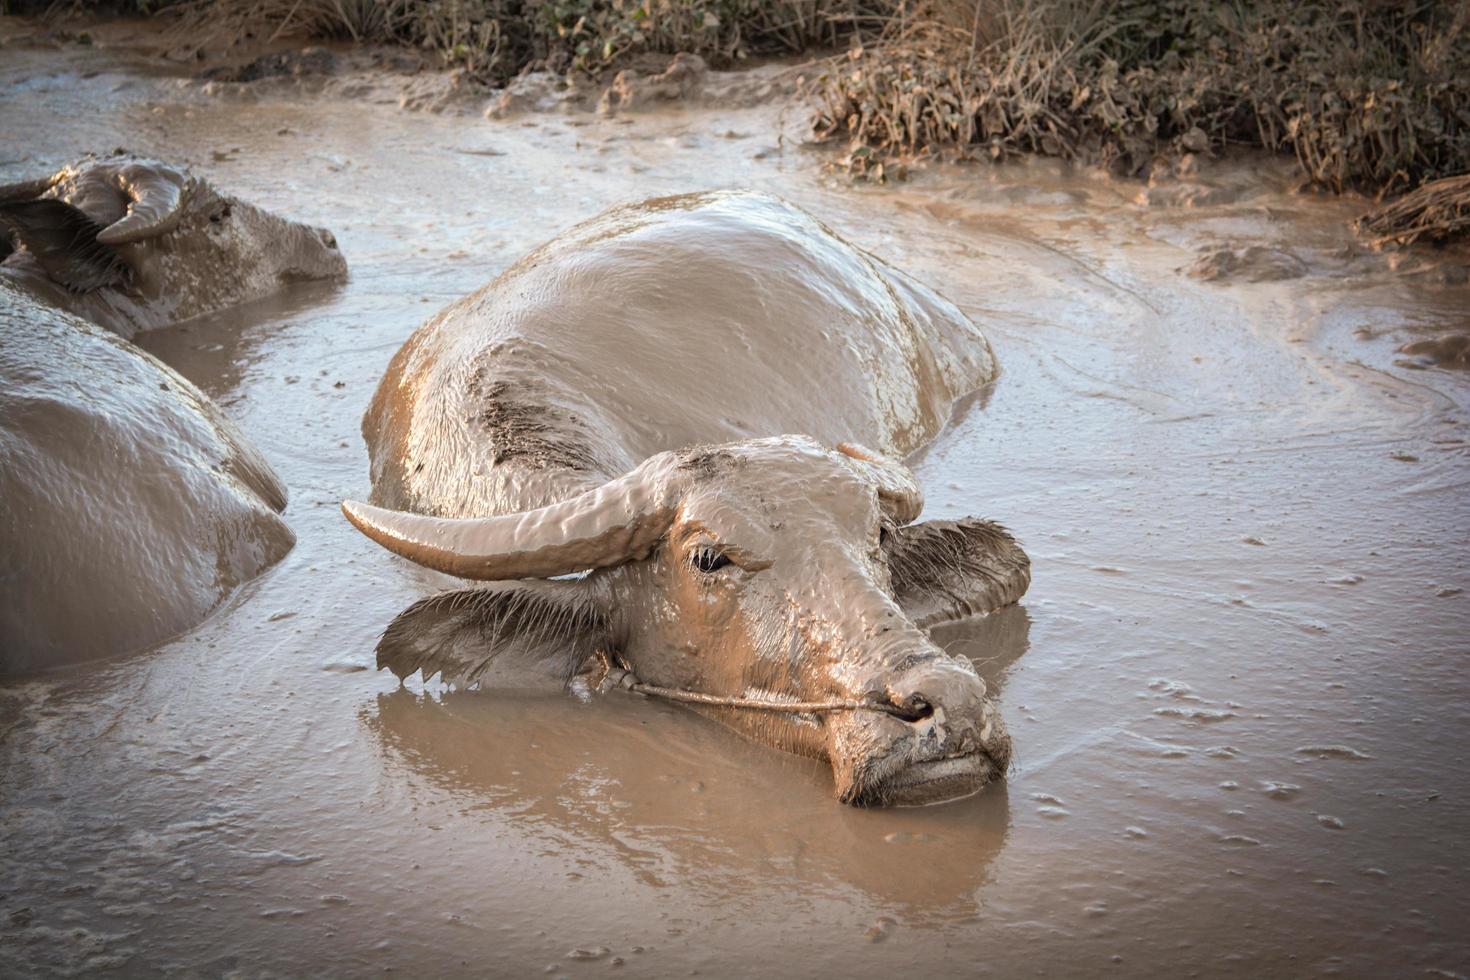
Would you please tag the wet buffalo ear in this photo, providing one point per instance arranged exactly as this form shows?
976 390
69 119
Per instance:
945 570
64 242
470 636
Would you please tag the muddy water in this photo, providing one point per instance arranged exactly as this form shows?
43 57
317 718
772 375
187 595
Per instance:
1237 687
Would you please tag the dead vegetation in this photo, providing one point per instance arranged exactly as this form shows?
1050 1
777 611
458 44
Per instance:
494 40
497 39
1366 93
1437 211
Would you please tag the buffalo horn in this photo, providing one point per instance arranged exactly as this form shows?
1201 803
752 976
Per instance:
156 197
619 521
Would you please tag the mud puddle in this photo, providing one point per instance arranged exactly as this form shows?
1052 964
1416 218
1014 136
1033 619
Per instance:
1237 687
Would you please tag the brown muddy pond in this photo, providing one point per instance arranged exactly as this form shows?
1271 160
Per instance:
1237 688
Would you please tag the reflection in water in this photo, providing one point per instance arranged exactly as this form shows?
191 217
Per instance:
680 801
216 351
993 643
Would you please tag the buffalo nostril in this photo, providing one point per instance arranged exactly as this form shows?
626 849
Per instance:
913 708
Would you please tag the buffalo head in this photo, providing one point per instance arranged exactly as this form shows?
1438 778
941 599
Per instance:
776 569
133 244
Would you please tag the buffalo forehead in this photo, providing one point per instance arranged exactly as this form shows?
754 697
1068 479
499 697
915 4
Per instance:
775 491
771 527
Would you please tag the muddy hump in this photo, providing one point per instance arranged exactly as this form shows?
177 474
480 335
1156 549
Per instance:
133 506
676 322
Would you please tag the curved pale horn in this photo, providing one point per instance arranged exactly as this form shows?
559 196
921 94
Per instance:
898 491
156 194
619 521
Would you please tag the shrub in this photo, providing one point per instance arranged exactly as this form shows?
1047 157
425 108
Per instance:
496 39
1373 94
1364 93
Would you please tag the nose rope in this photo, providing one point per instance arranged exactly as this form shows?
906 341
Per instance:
612 675
757 704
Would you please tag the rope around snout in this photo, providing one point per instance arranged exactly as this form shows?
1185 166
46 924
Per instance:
756 704
614 676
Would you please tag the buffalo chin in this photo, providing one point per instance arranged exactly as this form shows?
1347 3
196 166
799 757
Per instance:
931 782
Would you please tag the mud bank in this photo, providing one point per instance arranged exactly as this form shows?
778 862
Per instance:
1237 688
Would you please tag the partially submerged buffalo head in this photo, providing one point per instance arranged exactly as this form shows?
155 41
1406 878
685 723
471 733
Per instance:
133 244
776 569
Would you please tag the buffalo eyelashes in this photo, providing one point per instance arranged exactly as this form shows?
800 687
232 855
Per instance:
707 560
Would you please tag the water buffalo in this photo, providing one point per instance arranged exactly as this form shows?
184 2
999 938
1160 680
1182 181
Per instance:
615 402
131 504
135 244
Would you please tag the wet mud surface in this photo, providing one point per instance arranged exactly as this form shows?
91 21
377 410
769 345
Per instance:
1237 688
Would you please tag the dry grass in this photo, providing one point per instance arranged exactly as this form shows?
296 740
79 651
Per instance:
497 39
1368 94
1364 93
1438 210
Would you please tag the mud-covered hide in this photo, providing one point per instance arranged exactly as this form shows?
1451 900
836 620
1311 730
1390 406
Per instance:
130 506
773 568
680 321
702 399
94 239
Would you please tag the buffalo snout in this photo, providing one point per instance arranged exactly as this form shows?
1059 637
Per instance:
943 739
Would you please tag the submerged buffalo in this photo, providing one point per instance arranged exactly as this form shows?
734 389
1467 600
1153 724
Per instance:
135 244
131 504
614 403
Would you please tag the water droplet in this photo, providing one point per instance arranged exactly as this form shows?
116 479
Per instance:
595 953
1206 716
1332 752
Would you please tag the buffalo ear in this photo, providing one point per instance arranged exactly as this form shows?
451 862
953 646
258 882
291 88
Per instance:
545 629
946 570
64 242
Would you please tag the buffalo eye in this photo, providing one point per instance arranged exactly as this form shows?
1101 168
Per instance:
708 560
